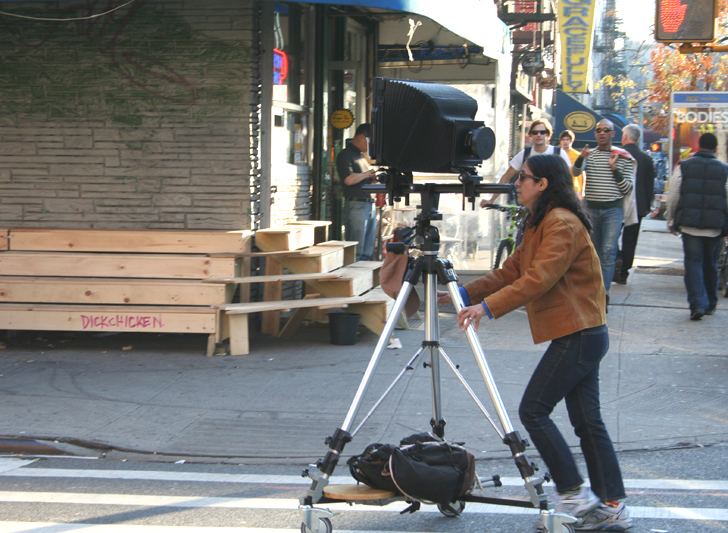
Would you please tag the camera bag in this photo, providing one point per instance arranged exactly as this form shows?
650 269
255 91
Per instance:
423 468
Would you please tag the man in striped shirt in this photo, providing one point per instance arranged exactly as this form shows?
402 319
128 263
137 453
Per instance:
610 174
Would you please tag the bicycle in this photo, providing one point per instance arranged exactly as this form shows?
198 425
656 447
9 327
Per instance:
514 217
723 268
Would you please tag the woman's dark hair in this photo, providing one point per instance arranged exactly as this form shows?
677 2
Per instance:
560 191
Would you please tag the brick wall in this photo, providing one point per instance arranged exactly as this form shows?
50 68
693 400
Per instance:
138 119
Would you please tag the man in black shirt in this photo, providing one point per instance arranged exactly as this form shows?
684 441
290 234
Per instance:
360 219
644 191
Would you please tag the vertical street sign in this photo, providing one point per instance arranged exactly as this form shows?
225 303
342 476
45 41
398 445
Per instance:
576 30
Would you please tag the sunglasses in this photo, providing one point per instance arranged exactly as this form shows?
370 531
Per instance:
539 132
522 176
603 130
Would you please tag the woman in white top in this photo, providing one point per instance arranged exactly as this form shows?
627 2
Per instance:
540 133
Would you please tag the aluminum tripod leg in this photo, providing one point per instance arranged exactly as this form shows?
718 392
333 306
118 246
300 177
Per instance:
432 340
341 435
534 484
376 356
477 350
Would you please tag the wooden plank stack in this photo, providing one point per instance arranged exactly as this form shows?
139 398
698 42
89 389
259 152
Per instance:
332 280
119 280
179 281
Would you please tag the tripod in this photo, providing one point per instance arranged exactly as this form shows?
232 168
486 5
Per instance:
432 270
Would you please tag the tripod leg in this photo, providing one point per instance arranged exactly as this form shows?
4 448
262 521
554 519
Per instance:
432 336
477 350
534 484
376 356
341 436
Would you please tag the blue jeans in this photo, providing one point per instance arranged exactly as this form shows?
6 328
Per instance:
701 270
570 369
607 225
360 224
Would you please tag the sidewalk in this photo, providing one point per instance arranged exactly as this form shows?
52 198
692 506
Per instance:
664 382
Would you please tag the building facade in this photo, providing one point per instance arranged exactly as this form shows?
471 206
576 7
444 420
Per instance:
186 114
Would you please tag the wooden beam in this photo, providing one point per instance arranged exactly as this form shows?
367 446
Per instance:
285 238
4 239
93 265
283 305
153 319
349 250
280 277
351 282
317 259
321 228
271 323
130 241
112 291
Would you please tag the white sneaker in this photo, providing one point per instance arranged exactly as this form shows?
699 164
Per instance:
605 518
577 504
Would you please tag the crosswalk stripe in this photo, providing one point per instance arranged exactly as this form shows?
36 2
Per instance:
157 475
54 527
51 527
76 498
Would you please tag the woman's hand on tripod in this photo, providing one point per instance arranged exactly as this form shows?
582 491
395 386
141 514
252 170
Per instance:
443 298
468 315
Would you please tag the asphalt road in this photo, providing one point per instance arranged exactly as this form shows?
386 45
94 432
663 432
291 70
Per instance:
669 491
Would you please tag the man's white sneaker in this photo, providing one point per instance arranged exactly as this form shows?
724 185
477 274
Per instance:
605 518
577 504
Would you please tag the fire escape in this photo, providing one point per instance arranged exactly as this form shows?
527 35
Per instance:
533 32
609 61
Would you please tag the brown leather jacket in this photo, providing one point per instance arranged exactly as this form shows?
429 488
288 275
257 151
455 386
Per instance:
555 273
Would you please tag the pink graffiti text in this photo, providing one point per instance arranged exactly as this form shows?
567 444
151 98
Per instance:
121 322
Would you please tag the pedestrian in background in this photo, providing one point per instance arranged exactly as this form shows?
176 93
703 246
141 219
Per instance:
610 173
566 139
644 192
360 215
697 209
540 133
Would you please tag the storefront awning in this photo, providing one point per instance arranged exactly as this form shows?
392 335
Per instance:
474 20
570 114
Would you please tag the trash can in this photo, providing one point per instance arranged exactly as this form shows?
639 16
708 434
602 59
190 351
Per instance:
343 328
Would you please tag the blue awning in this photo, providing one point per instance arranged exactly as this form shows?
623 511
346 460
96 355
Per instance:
570 114
474 20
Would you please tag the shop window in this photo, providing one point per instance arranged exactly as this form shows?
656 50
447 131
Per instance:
289 82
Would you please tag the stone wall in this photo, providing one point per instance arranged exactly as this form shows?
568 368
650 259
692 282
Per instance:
137 119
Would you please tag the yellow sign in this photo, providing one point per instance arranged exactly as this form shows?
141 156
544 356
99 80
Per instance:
580 121
341 119
576 28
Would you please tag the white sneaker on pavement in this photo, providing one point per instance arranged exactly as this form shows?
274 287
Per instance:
577 504
605 518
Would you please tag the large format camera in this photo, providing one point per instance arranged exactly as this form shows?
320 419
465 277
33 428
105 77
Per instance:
427 127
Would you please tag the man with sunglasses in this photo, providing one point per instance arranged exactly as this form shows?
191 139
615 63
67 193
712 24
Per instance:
610 172
540 133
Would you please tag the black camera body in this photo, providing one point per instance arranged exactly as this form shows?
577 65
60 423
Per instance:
427 127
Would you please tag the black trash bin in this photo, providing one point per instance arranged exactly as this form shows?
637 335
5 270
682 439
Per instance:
343 328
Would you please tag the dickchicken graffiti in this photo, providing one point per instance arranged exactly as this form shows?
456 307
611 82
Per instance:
102 321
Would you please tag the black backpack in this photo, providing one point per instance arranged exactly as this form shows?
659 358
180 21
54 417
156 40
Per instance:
423 468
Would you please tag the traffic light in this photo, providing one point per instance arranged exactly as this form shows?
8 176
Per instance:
685 21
